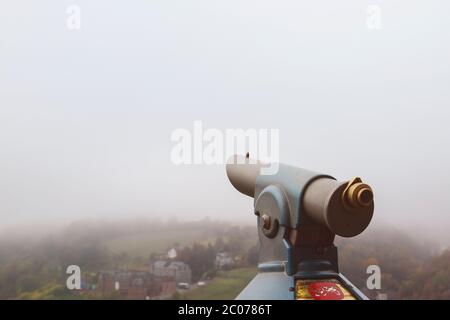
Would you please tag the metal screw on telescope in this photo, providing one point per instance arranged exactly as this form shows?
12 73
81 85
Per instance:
265 221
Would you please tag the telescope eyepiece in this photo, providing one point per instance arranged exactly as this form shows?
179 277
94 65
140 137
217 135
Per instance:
357 195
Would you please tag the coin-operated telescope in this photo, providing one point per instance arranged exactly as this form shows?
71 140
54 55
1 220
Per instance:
299 212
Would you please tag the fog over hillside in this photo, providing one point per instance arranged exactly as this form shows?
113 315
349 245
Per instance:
35 268
86 116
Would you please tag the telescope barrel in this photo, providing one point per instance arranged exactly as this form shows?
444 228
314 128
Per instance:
242 174
345 208
326 201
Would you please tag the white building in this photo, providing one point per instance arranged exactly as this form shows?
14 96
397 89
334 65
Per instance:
180 271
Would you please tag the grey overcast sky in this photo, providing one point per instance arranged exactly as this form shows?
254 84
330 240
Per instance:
86 116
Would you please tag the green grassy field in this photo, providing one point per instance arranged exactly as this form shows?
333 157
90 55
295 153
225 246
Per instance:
227 285
142 245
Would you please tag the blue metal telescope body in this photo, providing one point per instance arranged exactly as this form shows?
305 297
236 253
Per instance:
299 212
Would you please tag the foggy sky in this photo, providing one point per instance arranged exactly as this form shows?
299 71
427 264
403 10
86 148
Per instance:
86 116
